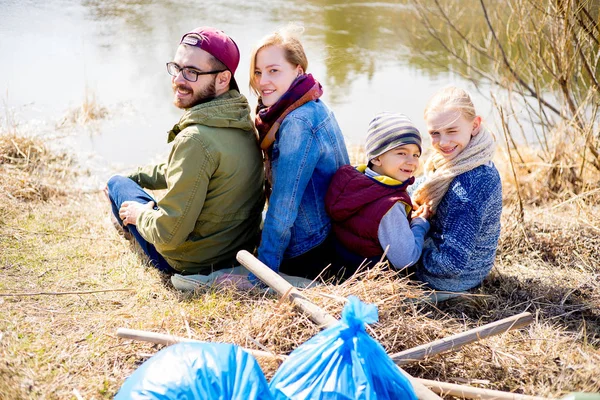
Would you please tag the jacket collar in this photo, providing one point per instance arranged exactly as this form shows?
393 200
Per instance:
229 110
386 180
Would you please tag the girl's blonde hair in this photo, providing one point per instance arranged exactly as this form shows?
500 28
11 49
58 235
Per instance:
439 171
451 98
288 39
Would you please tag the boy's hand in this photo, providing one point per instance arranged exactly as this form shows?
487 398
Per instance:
424 211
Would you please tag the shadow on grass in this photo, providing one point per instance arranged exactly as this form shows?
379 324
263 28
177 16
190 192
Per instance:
502 296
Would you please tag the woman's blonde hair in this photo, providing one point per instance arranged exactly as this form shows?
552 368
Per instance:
288 39
451 98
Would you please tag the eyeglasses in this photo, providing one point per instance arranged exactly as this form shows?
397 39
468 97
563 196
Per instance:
189 74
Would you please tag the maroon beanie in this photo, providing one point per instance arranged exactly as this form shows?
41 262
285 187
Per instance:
218 44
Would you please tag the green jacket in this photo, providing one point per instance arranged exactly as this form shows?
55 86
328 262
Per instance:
214 180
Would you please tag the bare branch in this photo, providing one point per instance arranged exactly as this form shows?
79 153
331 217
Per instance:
509 66
584 61
587 29
466 40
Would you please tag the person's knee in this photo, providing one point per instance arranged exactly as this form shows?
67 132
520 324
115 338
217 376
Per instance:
115 182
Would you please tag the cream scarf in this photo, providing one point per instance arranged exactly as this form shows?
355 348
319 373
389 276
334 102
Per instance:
439 172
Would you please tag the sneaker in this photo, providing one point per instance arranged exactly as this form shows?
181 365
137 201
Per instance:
189 283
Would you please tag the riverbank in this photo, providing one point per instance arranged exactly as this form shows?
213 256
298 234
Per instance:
55 238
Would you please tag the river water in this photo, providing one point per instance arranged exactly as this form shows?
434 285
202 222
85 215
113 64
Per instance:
57 53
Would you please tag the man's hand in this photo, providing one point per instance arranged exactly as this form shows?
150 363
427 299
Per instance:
130 210
105 191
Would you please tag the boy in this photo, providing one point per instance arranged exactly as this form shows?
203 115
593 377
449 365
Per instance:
369 206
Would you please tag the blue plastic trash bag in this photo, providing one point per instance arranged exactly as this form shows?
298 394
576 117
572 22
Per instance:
197 371
342 363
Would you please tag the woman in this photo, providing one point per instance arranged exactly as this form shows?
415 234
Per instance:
303 147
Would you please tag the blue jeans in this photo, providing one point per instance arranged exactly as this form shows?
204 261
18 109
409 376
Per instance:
346 262
121 189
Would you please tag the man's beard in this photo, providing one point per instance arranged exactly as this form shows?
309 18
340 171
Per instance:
204 95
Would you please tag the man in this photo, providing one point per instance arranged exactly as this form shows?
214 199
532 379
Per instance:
214 174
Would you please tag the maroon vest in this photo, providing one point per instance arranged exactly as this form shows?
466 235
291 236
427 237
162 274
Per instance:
357 203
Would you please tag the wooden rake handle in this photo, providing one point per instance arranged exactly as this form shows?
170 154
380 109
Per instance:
161 338
314 312
285 289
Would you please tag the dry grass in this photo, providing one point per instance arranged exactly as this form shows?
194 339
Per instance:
90 110
63 241
29 170
538 185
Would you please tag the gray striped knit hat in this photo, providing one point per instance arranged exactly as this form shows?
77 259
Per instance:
388 131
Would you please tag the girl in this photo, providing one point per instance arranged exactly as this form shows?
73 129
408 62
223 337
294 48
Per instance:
463 189
303 146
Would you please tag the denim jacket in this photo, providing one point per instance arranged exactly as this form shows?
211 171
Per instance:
308 150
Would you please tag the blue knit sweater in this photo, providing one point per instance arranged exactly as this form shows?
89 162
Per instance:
460 248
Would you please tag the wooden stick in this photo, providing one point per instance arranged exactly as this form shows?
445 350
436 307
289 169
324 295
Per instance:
455 342
161 338
77 395
316 313
469 392
283 288
63 293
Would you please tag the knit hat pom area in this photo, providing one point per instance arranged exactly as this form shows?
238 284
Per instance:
388 131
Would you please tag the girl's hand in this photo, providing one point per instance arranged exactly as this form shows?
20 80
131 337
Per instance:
424 211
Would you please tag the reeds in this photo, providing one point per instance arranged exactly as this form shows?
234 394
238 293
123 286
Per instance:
90 110
540 61
29 170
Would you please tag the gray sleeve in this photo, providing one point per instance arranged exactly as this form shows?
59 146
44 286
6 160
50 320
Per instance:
405 240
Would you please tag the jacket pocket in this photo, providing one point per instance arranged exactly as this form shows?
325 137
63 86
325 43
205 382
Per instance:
274 152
